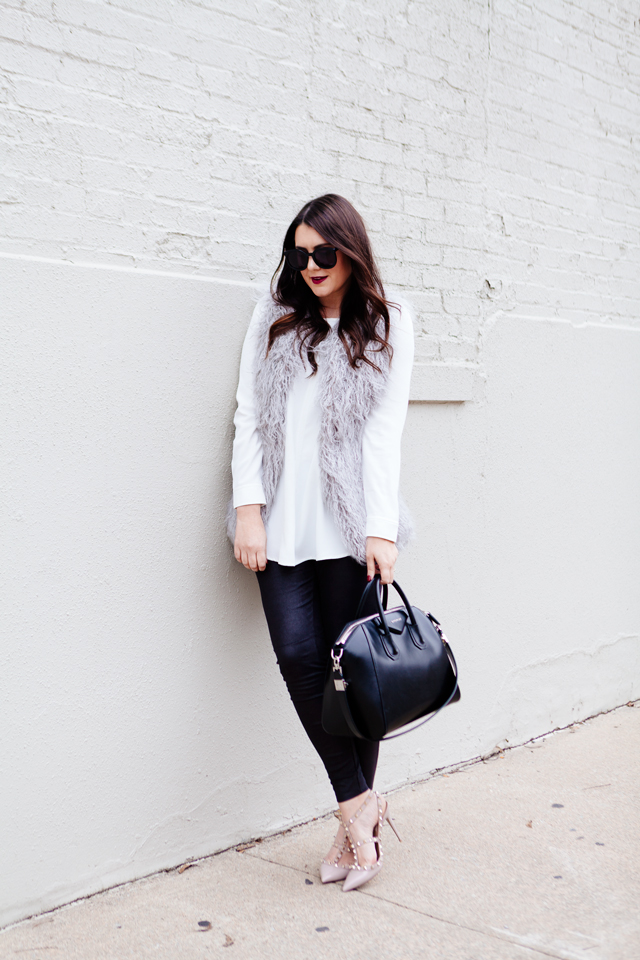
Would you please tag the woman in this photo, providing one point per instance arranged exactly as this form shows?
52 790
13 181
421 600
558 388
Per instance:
322 400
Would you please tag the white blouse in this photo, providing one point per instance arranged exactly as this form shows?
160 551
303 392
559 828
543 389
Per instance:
300 525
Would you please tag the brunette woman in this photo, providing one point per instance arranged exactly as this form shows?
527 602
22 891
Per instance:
322 401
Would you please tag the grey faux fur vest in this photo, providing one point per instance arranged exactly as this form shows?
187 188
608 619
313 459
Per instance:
347 397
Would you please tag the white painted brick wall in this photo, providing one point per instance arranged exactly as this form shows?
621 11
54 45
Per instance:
482 141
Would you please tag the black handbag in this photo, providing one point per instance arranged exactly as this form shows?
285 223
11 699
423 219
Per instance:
387 669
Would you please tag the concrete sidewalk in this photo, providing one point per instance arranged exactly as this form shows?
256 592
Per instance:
534 853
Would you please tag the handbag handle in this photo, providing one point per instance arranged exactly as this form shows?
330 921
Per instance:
375 585
365 599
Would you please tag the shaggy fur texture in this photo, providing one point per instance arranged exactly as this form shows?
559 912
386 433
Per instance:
347 397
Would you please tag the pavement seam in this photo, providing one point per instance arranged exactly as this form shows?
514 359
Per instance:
486 931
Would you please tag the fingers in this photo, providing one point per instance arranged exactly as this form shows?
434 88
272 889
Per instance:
250 560
381 558
253 558
386 569
250 547
371 566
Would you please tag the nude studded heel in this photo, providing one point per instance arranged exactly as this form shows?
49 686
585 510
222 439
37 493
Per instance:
357 874
388 819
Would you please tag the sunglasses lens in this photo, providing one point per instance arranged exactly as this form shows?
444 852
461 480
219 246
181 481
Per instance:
325 257
297 259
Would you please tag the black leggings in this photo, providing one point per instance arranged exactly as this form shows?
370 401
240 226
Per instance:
306 607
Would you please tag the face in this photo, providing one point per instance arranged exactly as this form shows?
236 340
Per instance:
329 285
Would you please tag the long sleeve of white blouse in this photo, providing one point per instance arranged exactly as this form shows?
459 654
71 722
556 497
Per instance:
246 462
381 444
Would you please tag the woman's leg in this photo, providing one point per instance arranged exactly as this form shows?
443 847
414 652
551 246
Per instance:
304 606
341 583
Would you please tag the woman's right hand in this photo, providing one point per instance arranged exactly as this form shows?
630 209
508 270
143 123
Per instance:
250 547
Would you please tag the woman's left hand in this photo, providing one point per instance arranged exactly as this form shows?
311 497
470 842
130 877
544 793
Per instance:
381 558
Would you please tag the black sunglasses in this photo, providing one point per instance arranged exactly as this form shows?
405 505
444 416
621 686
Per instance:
323 257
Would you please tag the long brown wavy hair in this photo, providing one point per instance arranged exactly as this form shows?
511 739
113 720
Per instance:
364 313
